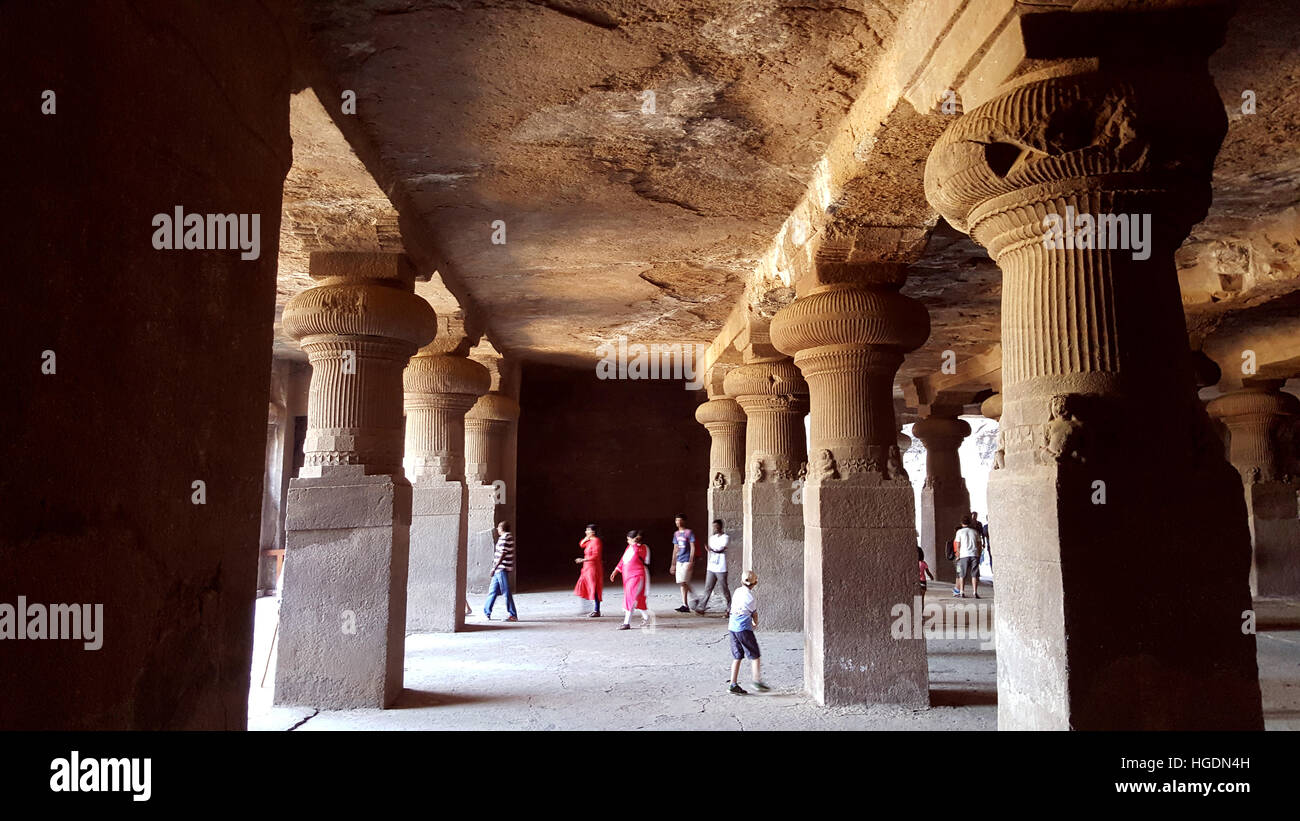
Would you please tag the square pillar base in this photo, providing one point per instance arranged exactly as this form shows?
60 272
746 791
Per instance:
1085 641
343 611
773 538
1274 509
436 582
728 505
859 564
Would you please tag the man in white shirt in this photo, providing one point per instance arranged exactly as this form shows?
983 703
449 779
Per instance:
717 568
969 543
740 628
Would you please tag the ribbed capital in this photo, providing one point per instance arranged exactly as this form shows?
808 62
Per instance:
383 308
358 335
1253 416
780 378
991 408
439 391
941 432
486 425
442 374
1152 133
850 314
774 397
725 421
719 410
494 407
942 436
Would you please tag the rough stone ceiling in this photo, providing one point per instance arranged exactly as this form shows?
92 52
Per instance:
620 219
649 221
331 203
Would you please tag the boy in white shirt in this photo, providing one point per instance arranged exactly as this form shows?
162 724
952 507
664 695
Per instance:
717 568
744 618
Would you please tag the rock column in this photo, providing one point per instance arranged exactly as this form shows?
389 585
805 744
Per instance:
343 615
848 339
1257 417
725 421
944 498
486 427
775 398
440 388
1081 183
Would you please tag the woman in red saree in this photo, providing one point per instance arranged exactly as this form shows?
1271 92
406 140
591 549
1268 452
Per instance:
590 581
635 579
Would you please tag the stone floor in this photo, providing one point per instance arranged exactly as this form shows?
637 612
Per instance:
557 670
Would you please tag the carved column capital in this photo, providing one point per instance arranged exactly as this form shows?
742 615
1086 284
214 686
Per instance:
774 398
486 424
358 328
1100 141
725 421
439 389
848 339
1255 416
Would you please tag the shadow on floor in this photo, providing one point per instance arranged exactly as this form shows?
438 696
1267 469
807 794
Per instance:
963 698
415 699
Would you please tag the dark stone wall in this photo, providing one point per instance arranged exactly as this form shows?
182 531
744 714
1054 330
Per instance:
621 453
163 356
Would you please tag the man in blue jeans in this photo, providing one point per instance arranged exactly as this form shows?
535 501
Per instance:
503 561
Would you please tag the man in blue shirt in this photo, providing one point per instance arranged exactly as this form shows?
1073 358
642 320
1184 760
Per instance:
683 561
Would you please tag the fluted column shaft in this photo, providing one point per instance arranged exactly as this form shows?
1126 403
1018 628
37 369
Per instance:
1106 446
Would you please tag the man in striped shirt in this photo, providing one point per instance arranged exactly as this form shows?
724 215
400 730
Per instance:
503 561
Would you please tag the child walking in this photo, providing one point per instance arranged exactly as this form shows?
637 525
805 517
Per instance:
744 618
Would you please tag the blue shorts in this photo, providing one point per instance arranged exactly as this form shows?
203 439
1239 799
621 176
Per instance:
743 644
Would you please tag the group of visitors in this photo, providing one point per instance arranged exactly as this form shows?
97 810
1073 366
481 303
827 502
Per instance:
634 567
969 544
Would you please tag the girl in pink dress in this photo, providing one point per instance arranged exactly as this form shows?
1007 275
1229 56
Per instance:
635 579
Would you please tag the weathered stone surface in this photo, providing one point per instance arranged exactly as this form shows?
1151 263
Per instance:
161 355
343 613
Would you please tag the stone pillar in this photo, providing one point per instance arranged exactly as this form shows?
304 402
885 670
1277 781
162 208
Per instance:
486 427
1111 470
440 388
343 614
725 421
848 339
774 398
944 498
1256 417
